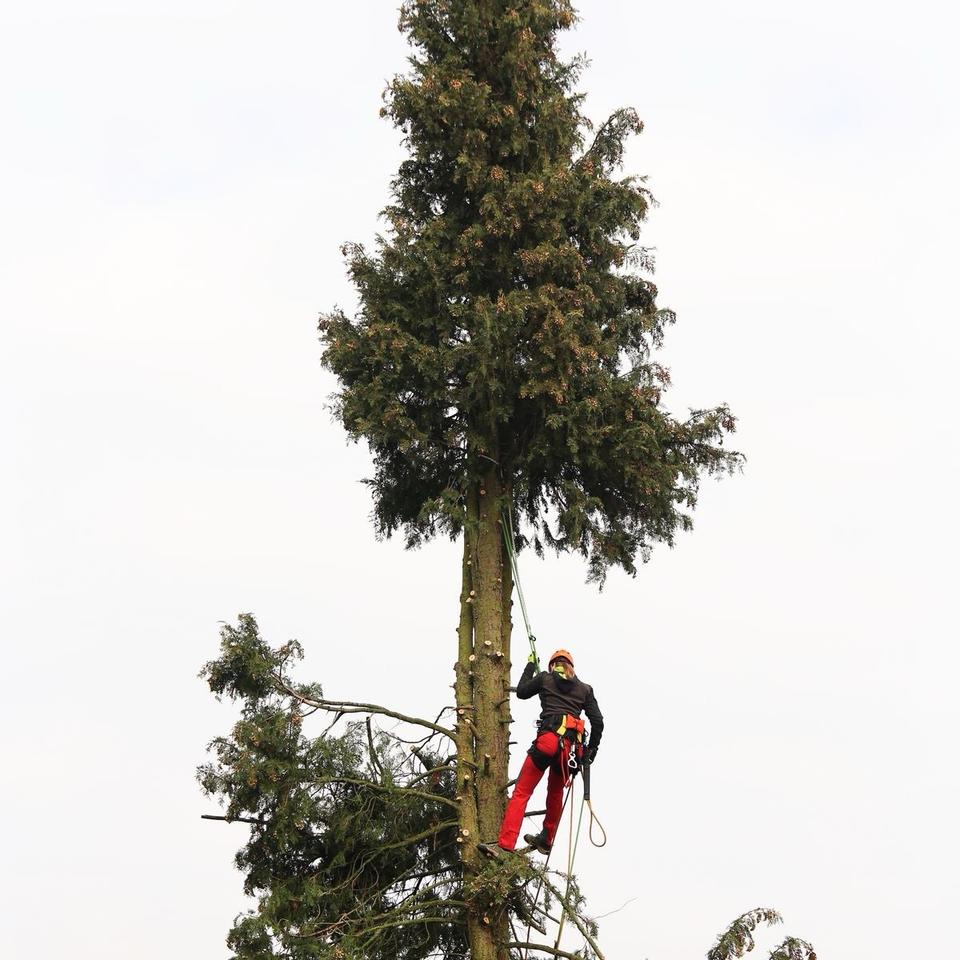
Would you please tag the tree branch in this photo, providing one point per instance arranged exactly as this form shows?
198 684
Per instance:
610 913
546 948
370 785
417 920
406 841
574 917
211 816
346 706
429 773
374 759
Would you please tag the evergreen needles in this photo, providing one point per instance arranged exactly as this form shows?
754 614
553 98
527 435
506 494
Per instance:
508 312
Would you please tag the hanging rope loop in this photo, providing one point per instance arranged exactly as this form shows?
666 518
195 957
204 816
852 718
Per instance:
594 819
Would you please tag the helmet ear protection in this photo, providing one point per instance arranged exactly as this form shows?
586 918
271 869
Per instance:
560 655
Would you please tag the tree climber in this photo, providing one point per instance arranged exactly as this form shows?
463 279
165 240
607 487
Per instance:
560 735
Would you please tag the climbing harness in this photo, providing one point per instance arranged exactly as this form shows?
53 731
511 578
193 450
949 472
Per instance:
564 724
569 730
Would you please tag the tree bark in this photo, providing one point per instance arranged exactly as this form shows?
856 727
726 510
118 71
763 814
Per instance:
483 696
469 835
492 651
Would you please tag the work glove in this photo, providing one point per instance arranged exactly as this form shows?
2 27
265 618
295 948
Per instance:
591 754
535 661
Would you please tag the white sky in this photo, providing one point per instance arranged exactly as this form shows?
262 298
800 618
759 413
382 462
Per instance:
780 688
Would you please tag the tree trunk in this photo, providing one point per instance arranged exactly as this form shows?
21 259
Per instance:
492 664
483 697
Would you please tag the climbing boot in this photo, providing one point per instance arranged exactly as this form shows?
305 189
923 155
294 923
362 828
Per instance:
539 841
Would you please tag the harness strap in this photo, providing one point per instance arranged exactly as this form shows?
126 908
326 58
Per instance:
564 725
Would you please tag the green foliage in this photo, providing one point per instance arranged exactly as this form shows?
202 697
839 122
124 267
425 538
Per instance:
349 855
354 848
508 313
354 852
503 881
738 940
793 949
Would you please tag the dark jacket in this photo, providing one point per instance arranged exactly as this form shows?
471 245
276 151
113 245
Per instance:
559 696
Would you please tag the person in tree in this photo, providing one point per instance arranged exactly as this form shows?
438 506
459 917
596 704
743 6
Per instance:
559 745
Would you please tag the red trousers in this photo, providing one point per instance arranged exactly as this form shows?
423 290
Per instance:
548 744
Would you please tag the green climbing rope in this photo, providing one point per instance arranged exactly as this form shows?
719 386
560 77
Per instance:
508 540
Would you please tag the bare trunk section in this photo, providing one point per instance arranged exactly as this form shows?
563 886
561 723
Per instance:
479 934
463 689
483 697
492 651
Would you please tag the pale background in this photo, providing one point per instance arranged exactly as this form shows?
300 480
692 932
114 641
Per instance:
780 688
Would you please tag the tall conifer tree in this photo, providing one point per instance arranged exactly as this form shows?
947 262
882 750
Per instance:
502 357
502 361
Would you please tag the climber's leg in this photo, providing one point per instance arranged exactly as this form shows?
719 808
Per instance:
540 755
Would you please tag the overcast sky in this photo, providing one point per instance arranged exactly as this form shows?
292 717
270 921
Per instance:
780 689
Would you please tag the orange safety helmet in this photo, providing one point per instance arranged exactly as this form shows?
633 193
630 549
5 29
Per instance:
561 655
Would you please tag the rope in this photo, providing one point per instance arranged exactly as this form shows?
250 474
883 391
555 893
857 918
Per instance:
546 864
587 772
594 819
571 857
506 523
573 844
